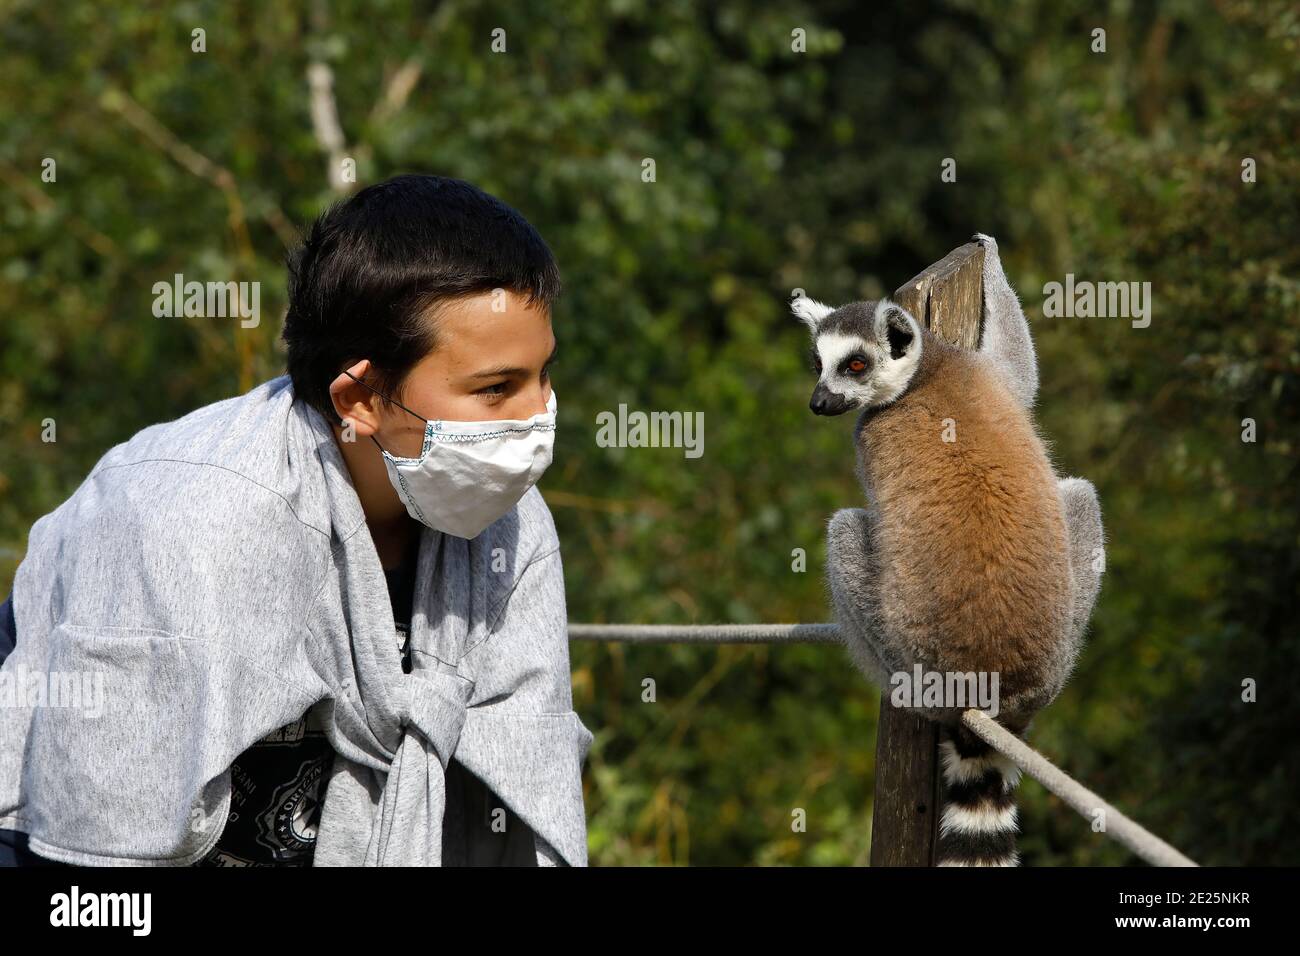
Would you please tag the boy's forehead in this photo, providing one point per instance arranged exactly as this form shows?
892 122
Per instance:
499 326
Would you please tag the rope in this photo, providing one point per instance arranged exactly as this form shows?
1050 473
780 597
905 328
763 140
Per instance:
1119 827
708 633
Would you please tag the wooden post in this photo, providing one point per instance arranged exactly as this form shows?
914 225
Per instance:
948 299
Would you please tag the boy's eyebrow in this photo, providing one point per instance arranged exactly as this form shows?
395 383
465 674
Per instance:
513 370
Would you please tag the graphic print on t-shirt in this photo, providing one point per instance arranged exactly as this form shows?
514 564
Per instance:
276 792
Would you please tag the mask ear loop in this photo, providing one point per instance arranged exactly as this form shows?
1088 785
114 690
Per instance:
386 398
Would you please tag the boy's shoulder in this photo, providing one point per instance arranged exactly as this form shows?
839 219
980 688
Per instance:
180 517
252 457
250 439
239 433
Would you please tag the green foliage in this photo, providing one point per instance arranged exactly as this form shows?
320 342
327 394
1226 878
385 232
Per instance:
774 170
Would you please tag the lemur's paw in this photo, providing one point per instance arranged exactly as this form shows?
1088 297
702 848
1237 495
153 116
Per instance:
984 240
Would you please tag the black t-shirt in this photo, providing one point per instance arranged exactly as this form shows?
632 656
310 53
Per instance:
401 593
277 786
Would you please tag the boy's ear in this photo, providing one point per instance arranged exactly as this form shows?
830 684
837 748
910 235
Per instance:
809 311
354 401
895 329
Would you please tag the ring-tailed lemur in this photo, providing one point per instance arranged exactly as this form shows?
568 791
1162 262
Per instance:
972 556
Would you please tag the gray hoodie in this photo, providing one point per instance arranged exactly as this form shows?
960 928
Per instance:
211 580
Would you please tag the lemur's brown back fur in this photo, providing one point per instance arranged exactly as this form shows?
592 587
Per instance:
975 566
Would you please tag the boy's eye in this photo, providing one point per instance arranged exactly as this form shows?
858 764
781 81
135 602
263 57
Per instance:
498 389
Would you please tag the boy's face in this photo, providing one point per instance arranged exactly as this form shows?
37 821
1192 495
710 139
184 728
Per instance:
490 363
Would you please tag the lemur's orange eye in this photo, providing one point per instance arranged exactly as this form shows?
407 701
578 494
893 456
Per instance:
857 365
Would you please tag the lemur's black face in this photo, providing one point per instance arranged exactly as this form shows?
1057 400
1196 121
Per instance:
831 397
863 353
843 362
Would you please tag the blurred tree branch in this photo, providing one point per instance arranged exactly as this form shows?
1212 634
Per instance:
324 104
87 233
118 101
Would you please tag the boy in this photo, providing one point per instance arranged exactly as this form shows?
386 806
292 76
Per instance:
322 623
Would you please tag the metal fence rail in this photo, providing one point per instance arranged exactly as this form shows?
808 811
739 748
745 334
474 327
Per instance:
708 634
1117 826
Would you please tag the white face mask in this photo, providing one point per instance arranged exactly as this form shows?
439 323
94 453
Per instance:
469 474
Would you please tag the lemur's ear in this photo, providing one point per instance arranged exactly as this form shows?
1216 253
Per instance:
809 311
895 329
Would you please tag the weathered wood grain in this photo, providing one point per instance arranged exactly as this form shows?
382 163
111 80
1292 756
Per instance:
948 298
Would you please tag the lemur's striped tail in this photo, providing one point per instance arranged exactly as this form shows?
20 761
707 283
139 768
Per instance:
978 826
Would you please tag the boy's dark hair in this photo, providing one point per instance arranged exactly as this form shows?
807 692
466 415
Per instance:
362 283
